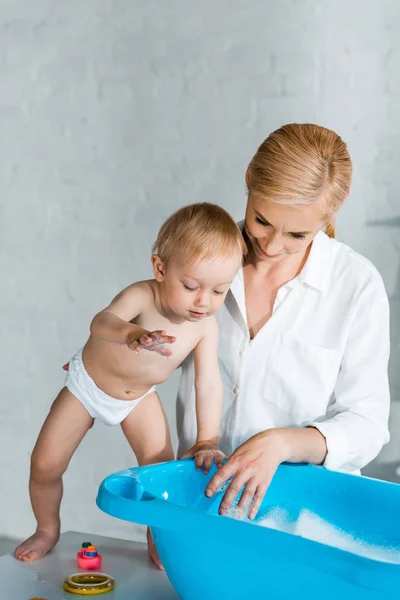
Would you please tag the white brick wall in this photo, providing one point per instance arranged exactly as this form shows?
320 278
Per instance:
116 112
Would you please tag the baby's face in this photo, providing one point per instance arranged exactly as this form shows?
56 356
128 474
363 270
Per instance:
196 291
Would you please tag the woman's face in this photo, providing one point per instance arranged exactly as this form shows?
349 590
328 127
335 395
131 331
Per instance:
277 231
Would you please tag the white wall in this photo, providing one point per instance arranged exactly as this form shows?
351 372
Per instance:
113 113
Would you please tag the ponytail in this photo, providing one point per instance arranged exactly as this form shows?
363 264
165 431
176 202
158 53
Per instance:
330 228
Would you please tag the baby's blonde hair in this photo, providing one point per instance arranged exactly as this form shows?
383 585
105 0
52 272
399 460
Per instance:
301 164
199 231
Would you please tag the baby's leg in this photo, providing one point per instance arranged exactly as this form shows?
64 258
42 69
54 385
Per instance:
63 430
147 431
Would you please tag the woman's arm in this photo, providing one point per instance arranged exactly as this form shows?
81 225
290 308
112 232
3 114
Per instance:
353 431
356 426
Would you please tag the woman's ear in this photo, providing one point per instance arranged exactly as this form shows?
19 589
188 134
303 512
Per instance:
158 268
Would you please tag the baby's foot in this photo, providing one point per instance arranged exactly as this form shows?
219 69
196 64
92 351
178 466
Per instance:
37 546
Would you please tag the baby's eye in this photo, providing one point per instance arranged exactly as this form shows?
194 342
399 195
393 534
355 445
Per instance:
219 293
188 288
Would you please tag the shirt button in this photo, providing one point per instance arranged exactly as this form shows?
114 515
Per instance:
235 389
241 353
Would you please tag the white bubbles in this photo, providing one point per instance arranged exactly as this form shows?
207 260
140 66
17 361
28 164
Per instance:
214 454
236 513
224 486
312 527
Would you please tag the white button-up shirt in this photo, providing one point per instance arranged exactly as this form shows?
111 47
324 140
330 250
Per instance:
321 360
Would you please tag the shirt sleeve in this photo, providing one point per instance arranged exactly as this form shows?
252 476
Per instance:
356 426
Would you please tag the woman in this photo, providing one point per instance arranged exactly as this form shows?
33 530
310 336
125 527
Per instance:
304 332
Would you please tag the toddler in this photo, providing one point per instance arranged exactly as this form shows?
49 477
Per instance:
134 344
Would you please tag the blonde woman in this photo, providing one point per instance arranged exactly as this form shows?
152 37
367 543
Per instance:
304 331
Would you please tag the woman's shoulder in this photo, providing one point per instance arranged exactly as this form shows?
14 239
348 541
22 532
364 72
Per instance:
355 271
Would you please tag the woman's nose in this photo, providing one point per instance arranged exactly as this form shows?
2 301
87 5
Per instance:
273 245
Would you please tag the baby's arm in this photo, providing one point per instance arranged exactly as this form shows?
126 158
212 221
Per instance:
209 398
113 323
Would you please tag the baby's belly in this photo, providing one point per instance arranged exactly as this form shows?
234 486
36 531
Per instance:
121 373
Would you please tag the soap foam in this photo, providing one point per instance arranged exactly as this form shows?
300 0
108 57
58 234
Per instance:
312 527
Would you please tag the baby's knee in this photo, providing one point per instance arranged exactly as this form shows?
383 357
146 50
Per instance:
45 468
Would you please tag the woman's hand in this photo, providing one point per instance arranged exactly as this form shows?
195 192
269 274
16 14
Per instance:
205 453
252 465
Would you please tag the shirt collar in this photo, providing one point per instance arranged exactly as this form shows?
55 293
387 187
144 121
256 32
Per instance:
319 262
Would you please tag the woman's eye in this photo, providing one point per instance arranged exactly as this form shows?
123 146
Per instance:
298 236
258 220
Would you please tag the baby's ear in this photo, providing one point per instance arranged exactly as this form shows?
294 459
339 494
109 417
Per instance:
158 268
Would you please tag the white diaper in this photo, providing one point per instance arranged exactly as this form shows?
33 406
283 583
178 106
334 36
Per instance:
99 405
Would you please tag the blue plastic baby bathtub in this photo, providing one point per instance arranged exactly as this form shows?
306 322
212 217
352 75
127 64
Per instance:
318 534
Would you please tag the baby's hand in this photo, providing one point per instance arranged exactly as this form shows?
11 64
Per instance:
205 453
151 340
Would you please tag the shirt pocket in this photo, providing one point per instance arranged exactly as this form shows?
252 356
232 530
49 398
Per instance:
301 378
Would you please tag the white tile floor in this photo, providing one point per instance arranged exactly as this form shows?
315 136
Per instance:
126 561
7 545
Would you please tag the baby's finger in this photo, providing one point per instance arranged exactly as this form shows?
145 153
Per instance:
199 459
165 339
157 335
161 350
208 461
135 346
162 338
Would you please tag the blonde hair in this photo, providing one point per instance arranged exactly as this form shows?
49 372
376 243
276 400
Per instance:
301 164
199 231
